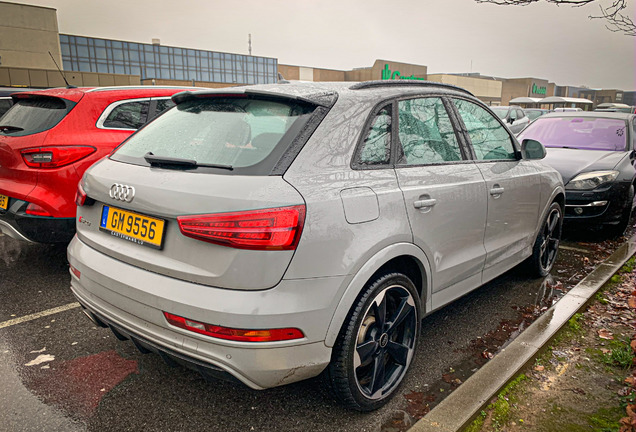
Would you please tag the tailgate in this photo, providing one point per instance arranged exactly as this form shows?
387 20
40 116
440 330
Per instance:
161 195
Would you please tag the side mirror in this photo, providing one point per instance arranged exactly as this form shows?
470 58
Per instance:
532 149
511 120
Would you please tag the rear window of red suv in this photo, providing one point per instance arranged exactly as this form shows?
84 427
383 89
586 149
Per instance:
33 115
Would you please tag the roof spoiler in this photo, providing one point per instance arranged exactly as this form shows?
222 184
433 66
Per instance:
326 99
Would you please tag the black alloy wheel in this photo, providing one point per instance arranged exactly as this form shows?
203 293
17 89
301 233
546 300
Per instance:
546 245
377 344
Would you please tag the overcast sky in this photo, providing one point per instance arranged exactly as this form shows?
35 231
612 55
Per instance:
541 40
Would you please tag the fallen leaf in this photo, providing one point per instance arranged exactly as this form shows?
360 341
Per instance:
42 358
539 368
605 334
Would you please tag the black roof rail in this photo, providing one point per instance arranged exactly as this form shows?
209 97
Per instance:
405 83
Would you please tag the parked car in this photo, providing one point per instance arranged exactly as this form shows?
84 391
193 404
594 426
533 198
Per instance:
616 107
271 232
49 138
566 109
513 116
534 113
594 152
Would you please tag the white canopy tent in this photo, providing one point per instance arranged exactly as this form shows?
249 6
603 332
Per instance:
560 100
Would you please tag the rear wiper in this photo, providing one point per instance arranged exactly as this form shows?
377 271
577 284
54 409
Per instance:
166 161
8 128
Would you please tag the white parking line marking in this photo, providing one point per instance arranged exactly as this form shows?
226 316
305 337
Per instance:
37 315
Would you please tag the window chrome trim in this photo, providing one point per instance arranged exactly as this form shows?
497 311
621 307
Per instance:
102 118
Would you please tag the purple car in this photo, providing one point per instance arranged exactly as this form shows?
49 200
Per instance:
594 152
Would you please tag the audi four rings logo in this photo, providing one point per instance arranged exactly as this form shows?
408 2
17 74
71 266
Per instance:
122 192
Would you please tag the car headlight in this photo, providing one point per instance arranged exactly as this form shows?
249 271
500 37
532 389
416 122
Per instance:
591 180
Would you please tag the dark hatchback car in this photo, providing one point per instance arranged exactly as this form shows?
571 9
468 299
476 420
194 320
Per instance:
594 152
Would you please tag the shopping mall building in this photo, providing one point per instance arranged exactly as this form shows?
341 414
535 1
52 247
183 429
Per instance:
31 46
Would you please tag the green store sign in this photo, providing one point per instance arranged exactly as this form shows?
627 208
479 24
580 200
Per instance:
388 75
538 90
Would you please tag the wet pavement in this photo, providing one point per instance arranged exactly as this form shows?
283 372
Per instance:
60 372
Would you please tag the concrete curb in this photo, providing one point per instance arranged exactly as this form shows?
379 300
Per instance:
462 405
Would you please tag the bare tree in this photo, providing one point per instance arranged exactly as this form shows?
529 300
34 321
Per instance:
616 19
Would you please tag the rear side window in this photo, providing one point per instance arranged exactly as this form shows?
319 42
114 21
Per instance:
489 138
376 148
5 104
426 133
128 115
33 115
239 132
162 105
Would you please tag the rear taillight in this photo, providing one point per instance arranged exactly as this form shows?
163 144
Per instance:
36 210
267 229
80 195
55 157
75 271
234 334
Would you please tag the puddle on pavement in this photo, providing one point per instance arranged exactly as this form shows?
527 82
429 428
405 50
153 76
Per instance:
576 260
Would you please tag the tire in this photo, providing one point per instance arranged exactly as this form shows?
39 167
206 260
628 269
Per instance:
619 229
372 354
546 245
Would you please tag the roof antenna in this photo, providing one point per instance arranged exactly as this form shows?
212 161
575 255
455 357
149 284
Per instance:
68 86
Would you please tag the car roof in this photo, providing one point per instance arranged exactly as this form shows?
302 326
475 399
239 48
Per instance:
325 93
591 114
76 93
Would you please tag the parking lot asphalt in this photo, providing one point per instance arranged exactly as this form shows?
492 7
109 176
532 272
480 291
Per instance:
60 372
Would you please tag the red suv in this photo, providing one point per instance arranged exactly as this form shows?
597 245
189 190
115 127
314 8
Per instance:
50 137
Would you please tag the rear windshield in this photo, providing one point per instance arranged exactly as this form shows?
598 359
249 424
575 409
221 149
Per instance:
33 115
534 114
579 132
501 112
237 132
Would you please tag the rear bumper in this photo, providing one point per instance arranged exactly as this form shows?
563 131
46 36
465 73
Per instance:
15 223
597 207
132 300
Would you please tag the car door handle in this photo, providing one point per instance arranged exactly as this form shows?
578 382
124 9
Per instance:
496 191
424 203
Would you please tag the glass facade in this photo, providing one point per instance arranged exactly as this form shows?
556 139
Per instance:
85 54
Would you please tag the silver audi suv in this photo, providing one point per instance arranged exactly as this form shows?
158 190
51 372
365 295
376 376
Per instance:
272 233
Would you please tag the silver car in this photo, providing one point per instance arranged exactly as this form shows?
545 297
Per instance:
513 116
270 233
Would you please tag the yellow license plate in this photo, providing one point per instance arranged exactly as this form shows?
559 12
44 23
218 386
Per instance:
4 202
134 227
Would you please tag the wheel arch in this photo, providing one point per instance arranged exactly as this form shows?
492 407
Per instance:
558 195
402 257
